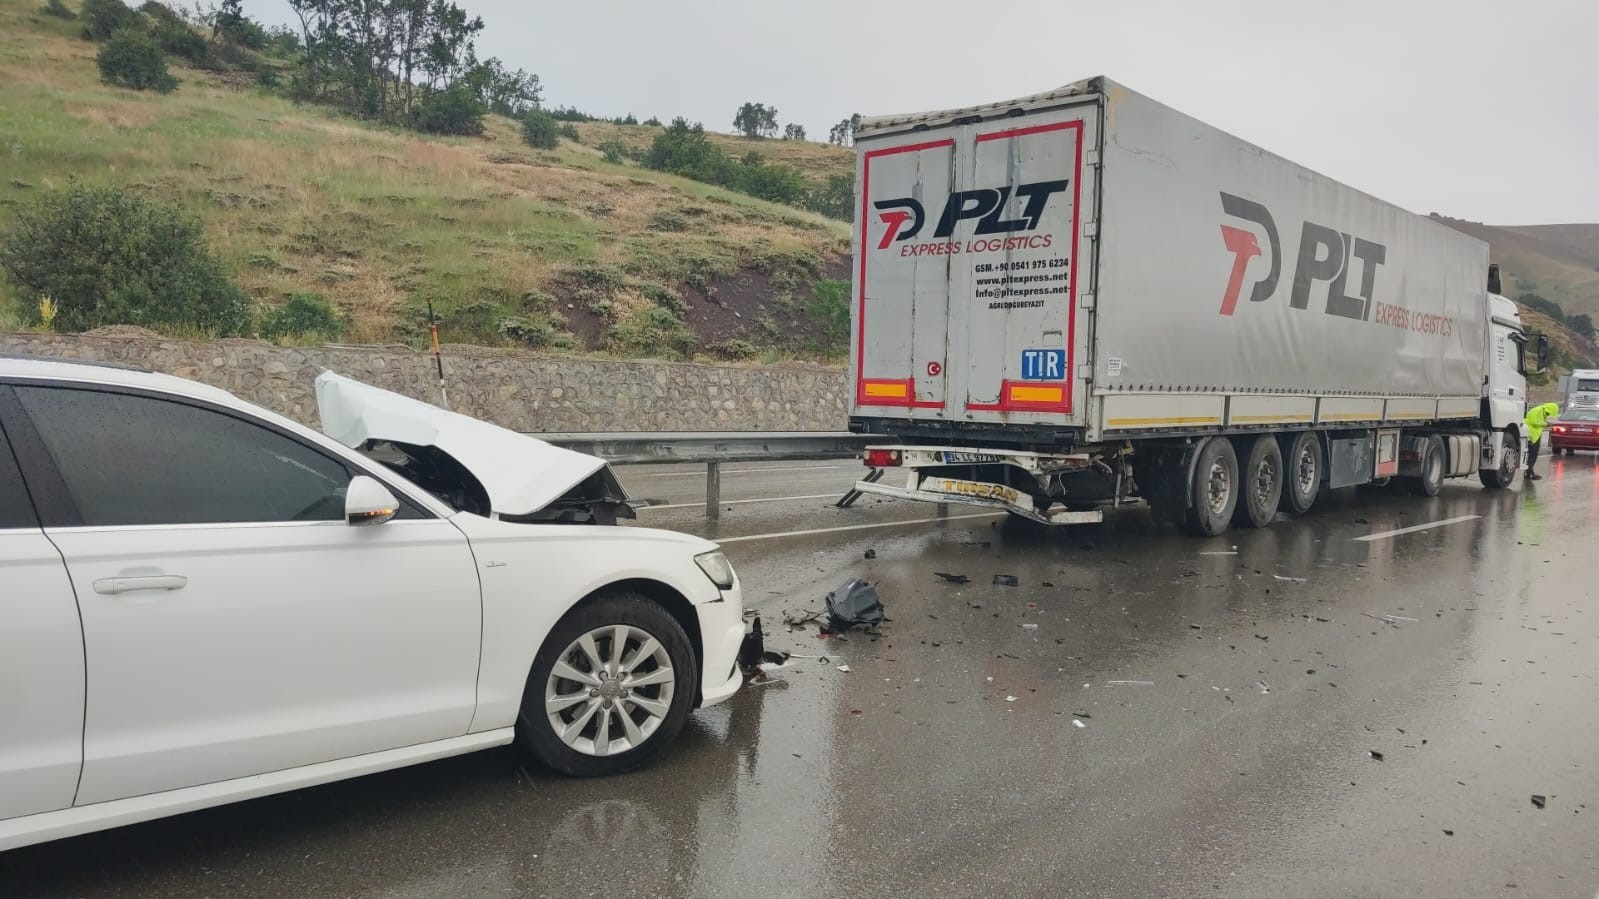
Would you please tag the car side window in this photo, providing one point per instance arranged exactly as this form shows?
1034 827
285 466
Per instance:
131 460
16 510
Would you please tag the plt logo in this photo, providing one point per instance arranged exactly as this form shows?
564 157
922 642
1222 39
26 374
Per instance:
1325 254
986 204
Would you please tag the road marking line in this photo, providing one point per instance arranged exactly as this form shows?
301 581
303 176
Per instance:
1420 527
737 502
701 474
855 527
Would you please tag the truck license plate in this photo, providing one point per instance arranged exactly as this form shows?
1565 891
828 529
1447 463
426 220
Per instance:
974 488
952 458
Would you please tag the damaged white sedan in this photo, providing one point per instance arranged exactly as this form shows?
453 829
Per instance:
206 602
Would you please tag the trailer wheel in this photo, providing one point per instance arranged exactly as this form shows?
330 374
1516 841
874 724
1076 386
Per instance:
1261 487
1302 481
1509 463
1213 494
1431 479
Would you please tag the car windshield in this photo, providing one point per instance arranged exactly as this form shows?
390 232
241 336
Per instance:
1580 415
1588 385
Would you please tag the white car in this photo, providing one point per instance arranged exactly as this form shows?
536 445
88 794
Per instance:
202 601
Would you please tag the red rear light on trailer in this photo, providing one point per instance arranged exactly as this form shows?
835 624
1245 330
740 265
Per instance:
882 458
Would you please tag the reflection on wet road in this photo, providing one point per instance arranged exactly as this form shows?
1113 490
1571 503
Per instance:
1144 715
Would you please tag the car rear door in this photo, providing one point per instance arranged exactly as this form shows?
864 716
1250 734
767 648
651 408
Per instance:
41 659
233 623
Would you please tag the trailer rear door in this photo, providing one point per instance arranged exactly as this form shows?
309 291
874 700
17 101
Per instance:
970 244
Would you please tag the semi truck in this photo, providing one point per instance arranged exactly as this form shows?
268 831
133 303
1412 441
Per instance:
1580 389
1083 299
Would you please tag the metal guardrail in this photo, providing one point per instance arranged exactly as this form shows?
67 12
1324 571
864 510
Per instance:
711 448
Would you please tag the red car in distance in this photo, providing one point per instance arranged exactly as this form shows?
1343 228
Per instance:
1575 429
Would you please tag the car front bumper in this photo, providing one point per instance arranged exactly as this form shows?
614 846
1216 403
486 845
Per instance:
722 634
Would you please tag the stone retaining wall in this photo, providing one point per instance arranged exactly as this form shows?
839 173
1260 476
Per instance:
522 391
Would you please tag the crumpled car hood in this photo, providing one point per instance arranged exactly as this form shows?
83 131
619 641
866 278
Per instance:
521 474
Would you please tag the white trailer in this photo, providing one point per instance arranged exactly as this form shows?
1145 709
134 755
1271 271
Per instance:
1084 297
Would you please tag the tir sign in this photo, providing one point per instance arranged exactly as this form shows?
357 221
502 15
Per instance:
1043 365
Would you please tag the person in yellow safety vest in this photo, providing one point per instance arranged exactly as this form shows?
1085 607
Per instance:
1537 418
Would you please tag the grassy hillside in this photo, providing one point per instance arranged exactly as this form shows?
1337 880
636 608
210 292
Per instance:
1558 262
514 246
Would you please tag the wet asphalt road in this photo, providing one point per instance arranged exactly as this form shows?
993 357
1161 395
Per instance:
949 760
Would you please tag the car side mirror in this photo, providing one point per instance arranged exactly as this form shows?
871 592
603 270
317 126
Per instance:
368 502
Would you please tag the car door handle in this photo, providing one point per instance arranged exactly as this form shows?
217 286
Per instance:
113 585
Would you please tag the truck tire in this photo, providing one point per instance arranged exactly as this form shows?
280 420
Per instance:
1431 479
1260 482
1509 463
1213 493
1302 473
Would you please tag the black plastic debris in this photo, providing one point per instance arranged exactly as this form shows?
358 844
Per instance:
953 578
1539 801
1006 580
752 653
871 554
1374 754
855 604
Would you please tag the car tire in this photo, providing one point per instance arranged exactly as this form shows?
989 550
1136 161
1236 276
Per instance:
1509 464
1260 486
1302 473
1431 479
640 712
1213 490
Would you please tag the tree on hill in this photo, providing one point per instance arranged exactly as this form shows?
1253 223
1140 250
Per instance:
132 59
1546 306
1582 323
383 58
843 134
756 120
503 91
794 132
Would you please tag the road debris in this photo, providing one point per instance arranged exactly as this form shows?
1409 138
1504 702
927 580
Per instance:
1131 683
953 578
795 620
871 554
1289 580
844 668
1539 800
755 659
1221 552
1010 699
1006 580
1029 627
1078 723
853 604
1374 754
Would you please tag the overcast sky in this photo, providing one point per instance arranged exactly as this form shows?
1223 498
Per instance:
1479 109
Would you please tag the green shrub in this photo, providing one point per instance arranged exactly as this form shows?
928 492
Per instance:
174 35
654 332
534 334
829 306
835 199
103 18
733 349
453 110
307 314
614 151
769 181
132 59
109 257
569 131
539 130
268 77
684 149
653 122
58 9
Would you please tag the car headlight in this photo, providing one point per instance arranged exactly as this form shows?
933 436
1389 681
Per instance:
717 568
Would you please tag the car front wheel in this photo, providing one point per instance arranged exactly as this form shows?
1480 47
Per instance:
611 687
